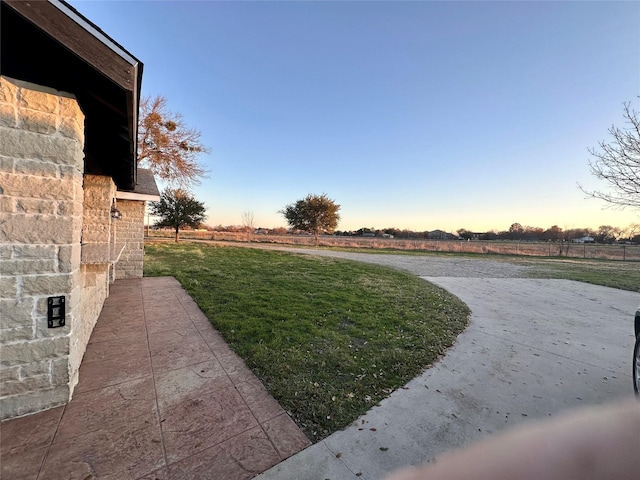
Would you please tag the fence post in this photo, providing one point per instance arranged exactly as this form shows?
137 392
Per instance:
624 252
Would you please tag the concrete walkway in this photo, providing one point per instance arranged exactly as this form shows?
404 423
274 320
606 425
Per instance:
161 396
533 349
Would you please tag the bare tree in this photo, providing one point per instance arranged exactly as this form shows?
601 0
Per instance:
167 146
248 220
249 223
617 162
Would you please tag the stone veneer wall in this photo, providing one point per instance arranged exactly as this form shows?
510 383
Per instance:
41 207
130 231
98 232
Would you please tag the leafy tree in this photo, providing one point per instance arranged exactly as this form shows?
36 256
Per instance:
313 214
465 234
178 209
167 146
516 231
617 162
533 233
554 233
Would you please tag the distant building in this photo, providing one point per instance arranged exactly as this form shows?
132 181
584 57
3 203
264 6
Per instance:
586 239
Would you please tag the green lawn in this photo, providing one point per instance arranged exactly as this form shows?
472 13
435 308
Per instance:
329 338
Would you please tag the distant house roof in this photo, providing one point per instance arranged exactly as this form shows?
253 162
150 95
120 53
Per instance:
441 235
49 43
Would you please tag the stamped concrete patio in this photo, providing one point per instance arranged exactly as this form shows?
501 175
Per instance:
161 396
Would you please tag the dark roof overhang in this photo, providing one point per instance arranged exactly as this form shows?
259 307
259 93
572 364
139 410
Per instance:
146 188
51 44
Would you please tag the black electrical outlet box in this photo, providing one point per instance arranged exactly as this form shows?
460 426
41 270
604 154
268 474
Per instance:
55 312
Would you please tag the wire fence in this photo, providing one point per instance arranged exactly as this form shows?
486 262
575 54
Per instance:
499 247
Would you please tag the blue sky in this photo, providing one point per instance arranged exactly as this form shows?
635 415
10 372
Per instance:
417 115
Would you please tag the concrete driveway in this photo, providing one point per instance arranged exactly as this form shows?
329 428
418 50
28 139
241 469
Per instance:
533 349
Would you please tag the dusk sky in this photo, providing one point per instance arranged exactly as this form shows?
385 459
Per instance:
418 115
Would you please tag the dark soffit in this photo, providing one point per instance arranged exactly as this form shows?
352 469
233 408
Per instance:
52 44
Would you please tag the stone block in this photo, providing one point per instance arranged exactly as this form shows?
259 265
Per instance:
8 116
16 312
34 351
36 121
60 371
8 287
38 100
6 165
129 273
68 258
68 207
16 334
23 144
34 251
8 91
10 373
42 306
74 302
71 128
29 384
34 205
76 225
88 279
7 204
69 108
78 191
17 405
6 251
98 192
68 172
47 285
36 168
36 368
29 266
31 186
135 249
96 234
26 228
98 217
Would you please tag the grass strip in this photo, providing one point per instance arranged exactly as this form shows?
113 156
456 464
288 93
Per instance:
608 273
624 275
329 338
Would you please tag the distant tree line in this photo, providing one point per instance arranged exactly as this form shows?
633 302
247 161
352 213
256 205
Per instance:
516 232
248 229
